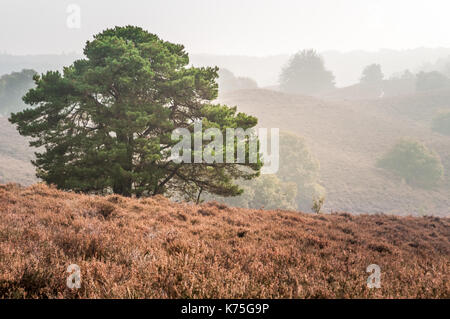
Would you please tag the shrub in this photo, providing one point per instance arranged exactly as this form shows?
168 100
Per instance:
413 162
299 165
67 123
237 253
317 204
266 191
441 123
427 81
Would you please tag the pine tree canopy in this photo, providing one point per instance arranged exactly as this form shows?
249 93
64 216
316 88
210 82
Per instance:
105 123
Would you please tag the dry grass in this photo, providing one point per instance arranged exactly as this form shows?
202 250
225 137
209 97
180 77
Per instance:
154 248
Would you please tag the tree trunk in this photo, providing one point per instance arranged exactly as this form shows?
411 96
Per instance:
123 184
199 194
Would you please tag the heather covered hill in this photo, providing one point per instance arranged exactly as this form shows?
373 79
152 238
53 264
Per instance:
151 247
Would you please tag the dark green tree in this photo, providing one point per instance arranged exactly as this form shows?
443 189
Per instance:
105 123
306 74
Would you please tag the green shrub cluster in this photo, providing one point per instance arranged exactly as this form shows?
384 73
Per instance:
441 123
414 162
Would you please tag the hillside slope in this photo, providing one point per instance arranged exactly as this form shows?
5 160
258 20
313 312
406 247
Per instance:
348 137
15 156
154 248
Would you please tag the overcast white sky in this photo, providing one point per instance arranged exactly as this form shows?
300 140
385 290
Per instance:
244 27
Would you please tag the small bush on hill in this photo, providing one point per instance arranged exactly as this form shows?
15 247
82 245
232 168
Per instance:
229 82
427 81
413 162
441 123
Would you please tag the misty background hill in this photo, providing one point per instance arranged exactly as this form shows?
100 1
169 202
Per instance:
347 138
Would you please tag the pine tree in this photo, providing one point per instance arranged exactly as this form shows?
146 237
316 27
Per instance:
105 123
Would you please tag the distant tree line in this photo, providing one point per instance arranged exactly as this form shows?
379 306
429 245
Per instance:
305 73
229 82
12 87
